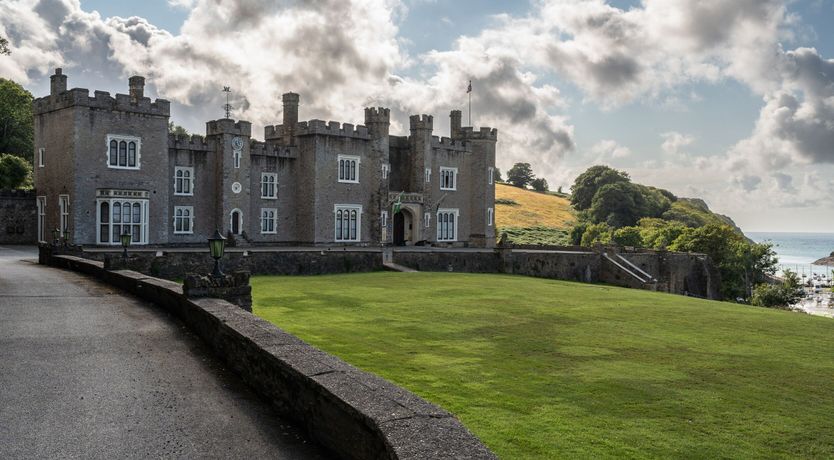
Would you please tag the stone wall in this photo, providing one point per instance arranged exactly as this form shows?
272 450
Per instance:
355 414
175 264
18 217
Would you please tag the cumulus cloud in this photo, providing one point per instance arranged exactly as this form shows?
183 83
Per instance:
674 142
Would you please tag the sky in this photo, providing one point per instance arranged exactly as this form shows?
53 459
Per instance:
731 101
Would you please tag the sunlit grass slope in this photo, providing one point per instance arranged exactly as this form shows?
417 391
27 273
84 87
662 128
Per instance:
548 369
532 218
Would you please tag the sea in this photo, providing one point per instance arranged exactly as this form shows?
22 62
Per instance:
798 251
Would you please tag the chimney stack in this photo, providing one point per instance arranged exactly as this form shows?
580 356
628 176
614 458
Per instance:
137 88
57 82
456 117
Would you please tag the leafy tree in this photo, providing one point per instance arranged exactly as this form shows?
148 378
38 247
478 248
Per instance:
559 190
4 46
596 234
628 236
177 129
575 236
778 295
16 122
742 264
520 174
587 184
659 234
497 175
15 172
618 204
539 184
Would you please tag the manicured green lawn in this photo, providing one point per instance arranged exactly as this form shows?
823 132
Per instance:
549 369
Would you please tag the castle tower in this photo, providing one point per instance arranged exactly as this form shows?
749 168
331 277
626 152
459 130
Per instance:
420 146
482 196
230 143
377 119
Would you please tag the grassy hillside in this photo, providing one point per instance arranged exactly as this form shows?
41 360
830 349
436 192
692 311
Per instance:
531 217
570 370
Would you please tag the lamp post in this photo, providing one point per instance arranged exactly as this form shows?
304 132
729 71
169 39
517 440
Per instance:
66 237
217 245
125 239
55 234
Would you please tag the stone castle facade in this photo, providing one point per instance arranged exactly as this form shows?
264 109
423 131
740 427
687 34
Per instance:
107 165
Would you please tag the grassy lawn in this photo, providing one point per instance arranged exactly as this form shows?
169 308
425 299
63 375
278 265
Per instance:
542 369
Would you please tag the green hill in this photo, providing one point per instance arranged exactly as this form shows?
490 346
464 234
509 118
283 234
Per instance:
530 217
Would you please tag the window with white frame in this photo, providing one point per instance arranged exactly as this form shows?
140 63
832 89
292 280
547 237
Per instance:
117 216
383 219
490 216
427 220
63 207
268 220
348 169
490 175
41 152
428 174
269 185
183 180
447 229
41 216
448 178
348 222
236 157
123 152
385 168
183 220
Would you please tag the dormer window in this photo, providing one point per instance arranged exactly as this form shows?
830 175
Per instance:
123 152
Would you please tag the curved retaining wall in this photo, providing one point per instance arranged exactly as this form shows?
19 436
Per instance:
351 412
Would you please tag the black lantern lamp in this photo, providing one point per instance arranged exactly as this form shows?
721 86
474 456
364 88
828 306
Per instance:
55 234
125 239
66 237
217 246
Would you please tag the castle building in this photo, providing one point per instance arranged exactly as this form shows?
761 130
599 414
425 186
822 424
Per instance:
106 166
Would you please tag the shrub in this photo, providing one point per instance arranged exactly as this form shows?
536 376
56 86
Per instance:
779 295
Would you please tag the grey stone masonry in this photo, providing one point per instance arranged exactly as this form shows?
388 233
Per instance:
111 167
232 287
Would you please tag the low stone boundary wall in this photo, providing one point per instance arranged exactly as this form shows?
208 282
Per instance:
18 217
354 413
175 264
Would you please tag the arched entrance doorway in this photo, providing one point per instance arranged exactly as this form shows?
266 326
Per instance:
236 221
403 227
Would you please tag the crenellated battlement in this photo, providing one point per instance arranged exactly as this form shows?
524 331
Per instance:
448 143
421 122
228 126
485 133
100 100
273 131
377 115
193 142
332 128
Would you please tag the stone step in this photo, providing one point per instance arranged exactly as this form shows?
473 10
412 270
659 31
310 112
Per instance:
391 266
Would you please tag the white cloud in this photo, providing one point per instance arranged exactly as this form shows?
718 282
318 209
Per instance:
674 142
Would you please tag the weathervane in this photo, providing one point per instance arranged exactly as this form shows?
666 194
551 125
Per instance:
227 107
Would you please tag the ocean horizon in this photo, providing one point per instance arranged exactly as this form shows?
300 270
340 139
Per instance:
797 251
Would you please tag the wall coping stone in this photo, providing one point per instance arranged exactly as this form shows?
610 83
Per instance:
354 413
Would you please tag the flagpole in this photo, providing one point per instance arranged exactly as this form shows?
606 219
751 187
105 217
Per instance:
470 102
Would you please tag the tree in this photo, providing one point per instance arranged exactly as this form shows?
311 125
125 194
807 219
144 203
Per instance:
779 295
520 175
4 46
658 234
497 175
16 122
587 184
539 184
596 234
742 264
618 204
177 129
15 172
628 236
